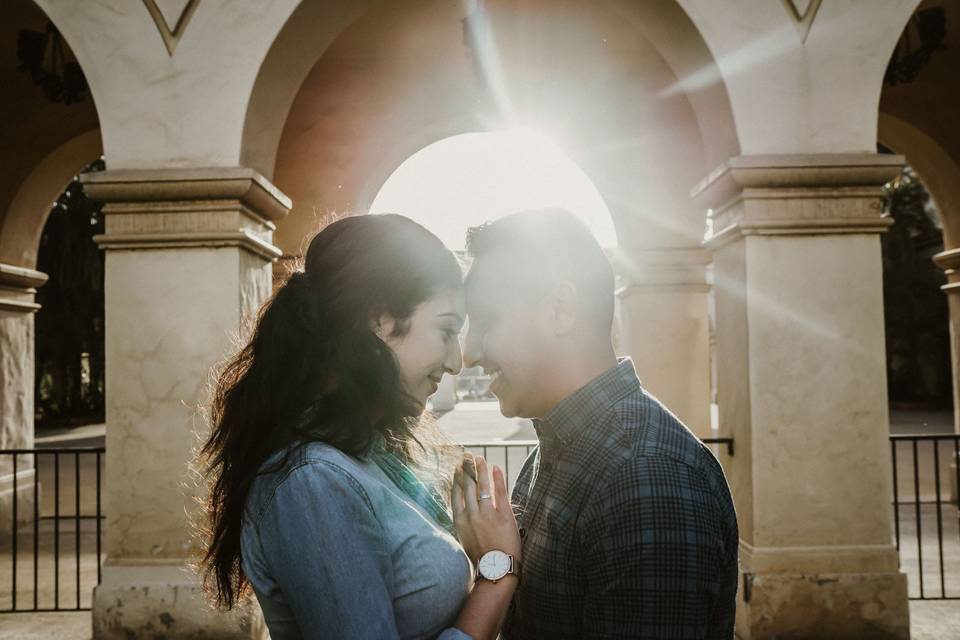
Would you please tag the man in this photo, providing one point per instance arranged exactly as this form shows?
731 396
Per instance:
628 526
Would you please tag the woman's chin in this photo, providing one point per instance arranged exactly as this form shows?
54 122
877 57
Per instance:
414 407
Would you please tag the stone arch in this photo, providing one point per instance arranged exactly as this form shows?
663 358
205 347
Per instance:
46 142
163 107
700 121
802 84
678 39
305 35
27 214
939 171
314 25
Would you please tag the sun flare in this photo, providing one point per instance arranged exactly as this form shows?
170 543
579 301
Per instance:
471 178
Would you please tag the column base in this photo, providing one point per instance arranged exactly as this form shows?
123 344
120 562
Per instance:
146 601
840 606
24 500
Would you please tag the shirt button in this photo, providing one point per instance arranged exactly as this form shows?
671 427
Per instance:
548 467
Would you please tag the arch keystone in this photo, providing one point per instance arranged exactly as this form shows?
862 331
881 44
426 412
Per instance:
802 20
171 37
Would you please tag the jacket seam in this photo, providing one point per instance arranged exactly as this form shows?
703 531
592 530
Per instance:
356 485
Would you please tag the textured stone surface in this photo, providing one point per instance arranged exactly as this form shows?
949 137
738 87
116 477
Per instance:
665 329
16 413
16 379
801 386
170 315
188 258
24 499
835 606
165 602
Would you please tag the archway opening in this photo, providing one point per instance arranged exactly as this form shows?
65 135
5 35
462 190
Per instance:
916 315
466 180
69 344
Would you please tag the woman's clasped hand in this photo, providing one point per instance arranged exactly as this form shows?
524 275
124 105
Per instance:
482 515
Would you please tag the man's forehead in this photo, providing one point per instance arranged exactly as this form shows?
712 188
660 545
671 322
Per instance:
485 279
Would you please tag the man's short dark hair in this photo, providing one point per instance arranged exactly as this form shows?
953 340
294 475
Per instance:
536 248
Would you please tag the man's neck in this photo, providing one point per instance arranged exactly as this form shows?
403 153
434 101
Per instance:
578 369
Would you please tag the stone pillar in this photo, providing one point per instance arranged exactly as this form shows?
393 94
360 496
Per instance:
665 328
18 287
949 261
802 390
188 259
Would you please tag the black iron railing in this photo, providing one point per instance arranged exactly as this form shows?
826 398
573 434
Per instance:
51 544
64 493
924 470
510 454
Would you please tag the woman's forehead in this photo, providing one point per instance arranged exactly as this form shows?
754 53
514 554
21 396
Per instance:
447 302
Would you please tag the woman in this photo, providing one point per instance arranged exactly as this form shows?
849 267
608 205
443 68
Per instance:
321 499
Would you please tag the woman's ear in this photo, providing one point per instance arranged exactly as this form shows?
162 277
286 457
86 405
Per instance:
384 326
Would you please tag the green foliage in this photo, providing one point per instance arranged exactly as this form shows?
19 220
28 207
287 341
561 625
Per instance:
70 324
915 309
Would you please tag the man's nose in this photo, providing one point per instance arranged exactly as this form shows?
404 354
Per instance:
471 349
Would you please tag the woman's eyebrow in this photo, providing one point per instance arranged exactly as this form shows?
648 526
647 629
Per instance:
451 314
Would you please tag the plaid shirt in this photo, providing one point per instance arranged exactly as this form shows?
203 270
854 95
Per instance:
628 526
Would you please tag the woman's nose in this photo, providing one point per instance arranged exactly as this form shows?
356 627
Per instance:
454 362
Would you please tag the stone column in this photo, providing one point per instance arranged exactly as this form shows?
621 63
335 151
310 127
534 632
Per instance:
949 261
188 258
802 389
665 328
18 287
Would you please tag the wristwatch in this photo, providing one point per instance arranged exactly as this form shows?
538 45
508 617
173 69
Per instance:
495 565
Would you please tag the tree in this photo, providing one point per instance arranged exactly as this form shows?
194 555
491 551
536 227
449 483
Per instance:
70 324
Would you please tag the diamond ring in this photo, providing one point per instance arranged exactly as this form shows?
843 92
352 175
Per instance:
484 496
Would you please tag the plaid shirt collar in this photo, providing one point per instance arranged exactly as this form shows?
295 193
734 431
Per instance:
565 422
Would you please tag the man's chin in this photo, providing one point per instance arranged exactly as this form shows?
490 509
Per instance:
507 409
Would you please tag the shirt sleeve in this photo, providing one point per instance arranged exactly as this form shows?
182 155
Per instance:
650 540
329 557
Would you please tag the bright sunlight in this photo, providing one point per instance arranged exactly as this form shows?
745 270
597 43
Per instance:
468 179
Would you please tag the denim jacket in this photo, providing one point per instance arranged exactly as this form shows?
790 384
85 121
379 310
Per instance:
333 549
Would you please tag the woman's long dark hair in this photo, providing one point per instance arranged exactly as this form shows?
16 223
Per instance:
314 370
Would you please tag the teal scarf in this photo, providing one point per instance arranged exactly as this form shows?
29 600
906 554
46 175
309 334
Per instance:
420 492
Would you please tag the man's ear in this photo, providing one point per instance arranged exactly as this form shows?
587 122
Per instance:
384 326
563 307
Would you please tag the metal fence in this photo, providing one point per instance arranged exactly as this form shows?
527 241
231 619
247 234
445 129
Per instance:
510 454
51 545
52 520
926 517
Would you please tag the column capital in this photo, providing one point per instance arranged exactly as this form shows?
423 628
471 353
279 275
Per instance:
181 208
949 261
18 285
680 269
813 194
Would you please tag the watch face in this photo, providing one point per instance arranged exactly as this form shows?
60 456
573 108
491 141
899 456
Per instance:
494 565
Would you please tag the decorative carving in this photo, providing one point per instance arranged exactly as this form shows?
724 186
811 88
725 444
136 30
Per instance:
171 37
802 21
